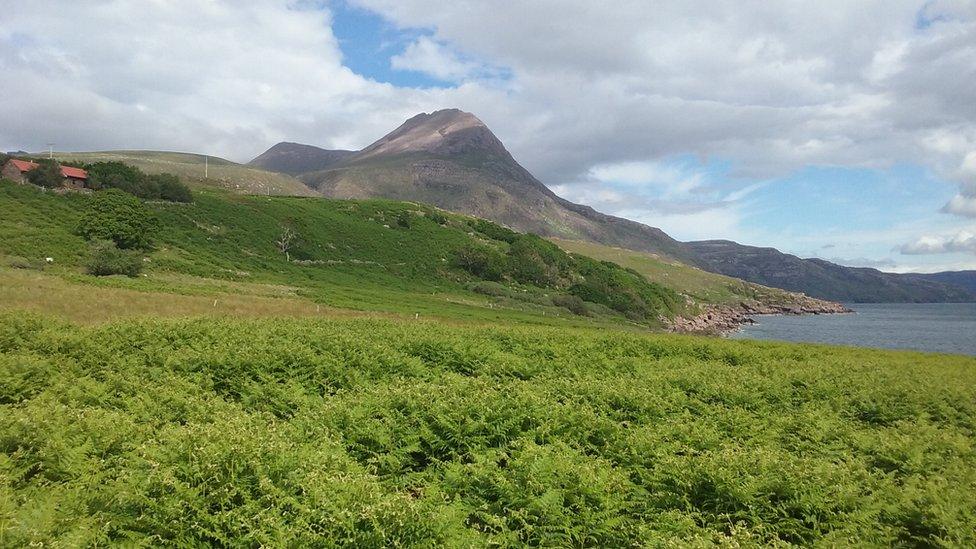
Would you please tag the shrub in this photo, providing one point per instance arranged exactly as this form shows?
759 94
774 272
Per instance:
17 262
492 289
47 174
437 217
628 293
493 230
120 217
118 175
572 303
105 258
533 260
171 188
481 261
404 220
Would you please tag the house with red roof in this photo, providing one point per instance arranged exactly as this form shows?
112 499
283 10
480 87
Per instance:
16 170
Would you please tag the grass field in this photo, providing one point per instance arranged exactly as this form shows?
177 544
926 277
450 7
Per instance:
391 433
90 300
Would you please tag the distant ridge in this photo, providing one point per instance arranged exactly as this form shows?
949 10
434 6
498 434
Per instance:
295 158
962 279
823 279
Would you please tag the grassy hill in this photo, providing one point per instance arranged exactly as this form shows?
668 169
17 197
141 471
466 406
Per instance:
381 256
190 167
392 433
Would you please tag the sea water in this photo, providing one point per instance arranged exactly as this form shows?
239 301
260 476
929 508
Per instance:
936 327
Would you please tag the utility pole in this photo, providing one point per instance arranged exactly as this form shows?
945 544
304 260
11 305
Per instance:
206 167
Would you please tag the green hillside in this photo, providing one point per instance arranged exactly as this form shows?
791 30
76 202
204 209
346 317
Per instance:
375 255
222 173
393 433
702 286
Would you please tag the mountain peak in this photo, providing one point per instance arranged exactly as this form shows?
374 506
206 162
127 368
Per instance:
446 132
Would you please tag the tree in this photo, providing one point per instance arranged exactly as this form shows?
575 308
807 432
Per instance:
120 217
46 174
170 188
285 241
481 261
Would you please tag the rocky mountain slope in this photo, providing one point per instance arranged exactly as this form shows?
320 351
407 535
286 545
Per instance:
450 159
823 279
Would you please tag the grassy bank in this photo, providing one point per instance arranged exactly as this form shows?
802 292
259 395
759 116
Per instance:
378 432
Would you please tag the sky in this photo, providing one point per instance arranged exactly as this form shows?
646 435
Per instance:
838 129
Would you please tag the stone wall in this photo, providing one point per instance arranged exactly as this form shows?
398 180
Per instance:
11 172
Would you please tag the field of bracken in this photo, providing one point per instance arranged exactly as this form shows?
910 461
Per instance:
390 432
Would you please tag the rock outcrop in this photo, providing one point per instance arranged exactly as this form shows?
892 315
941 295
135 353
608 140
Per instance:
722 319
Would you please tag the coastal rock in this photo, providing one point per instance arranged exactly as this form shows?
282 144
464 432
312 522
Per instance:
722 319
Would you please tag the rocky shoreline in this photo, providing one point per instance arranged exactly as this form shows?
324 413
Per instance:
724 319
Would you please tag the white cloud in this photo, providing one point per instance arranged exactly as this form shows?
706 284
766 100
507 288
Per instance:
221 77
673 180
429 57
676 196
962 242
961 204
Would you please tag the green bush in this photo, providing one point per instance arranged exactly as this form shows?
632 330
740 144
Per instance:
118 175
481 261
493 231
46 174
120 217
493 289
437 217
622 290
105 258
18 262
572 303
532 260
404 219
171 188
